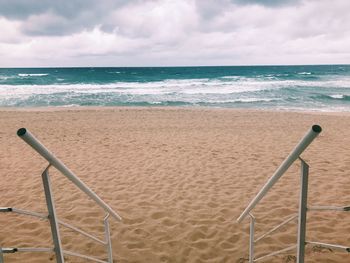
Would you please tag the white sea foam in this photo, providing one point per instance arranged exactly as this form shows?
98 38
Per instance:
186 86
304 73
189 87
32 74
220 91
337 96
231 77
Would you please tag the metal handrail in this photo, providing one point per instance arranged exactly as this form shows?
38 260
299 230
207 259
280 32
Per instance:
291 158
294 155
52 217
29 138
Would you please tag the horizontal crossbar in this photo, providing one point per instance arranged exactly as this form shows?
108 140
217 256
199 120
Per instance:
25 249
23 212
331 246
334 208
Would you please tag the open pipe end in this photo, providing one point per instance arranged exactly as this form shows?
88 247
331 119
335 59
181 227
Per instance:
21 132
316 128
5 209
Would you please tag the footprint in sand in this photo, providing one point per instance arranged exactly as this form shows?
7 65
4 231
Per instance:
158 215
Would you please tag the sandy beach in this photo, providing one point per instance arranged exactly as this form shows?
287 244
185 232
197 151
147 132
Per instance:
179 177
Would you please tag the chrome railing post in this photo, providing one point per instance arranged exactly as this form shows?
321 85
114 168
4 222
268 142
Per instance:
1 256
52 216
108 239
251 238
302 211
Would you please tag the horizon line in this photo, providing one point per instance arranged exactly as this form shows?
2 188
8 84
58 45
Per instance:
179 66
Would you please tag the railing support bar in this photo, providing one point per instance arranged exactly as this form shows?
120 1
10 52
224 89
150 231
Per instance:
81 232
276 253
251 238
302 211
1 256
330 246
75 254
329 207
277 227
108 239
52 216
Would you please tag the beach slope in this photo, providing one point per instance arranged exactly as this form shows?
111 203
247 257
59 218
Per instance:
178 177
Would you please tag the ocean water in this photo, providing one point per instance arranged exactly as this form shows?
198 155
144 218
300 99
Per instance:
316 88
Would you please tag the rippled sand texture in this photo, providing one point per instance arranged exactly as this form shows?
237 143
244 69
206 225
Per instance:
178 177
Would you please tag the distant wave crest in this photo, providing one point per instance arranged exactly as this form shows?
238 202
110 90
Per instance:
32 74
304 73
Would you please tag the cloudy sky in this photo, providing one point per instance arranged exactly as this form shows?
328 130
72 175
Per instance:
37 33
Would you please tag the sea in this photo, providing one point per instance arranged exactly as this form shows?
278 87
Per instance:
311 88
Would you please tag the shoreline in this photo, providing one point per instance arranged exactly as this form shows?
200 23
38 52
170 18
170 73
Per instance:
166 108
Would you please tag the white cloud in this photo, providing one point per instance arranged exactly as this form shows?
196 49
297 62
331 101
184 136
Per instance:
183 32
9 31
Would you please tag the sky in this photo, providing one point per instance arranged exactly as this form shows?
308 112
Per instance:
73 33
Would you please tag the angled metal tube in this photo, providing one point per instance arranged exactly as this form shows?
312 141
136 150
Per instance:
276 252
301 146
82 232
75 254
290 218
26 136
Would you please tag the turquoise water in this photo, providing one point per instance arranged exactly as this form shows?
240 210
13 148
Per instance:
320 88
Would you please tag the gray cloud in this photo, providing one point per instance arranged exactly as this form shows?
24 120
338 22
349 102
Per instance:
168 32
22 9
47 17
270 3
